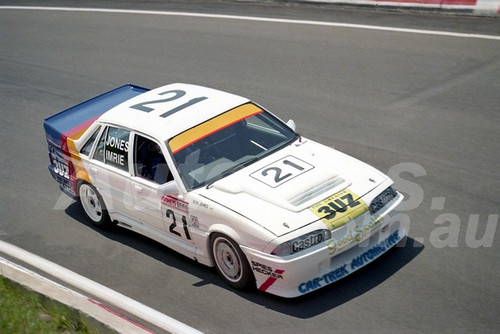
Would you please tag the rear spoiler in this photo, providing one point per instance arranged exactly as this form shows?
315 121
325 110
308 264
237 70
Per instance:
70 124
77 118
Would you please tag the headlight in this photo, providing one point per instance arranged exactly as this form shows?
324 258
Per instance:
303 242
381 200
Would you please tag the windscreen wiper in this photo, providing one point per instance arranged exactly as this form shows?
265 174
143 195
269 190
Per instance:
232 170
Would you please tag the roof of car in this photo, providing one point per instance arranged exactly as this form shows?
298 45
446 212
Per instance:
168 110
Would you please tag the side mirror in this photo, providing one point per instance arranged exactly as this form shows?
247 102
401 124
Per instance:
169 188
291 124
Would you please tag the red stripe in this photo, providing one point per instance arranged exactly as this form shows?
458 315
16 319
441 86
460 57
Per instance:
270 280
434 2
81 127
119 315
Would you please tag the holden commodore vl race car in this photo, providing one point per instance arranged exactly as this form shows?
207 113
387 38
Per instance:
221 180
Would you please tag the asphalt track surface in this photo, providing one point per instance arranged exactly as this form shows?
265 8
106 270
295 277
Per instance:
424 108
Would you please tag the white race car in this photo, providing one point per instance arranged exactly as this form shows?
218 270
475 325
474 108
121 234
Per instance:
221 180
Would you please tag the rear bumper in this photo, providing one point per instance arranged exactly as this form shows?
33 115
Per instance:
63 182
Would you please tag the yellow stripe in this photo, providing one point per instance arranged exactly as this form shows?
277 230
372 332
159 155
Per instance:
80 170
211 126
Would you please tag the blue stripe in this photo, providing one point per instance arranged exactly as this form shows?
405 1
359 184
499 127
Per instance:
70 118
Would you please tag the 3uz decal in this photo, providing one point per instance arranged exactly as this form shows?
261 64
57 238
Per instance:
339 205
339 208
61 168
281 171
176 94
172 228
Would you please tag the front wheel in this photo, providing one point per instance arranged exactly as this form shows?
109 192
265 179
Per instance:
230 262
93 205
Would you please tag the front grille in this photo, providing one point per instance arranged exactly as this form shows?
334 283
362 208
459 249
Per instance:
382 199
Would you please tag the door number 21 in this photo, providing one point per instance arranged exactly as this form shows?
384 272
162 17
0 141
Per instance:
173 226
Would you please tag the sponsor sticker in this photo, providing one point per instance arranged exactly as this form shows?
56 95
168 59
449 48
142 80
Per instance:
194 221
339 208
274 274
175 203
352 264
356 235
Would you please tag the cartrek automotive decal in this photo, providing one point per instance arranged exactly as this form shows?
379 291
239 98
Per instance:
352 264
218 123
339 208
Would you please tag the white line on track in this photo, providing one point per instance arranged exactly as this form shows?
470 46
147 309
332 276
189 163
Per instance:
260 19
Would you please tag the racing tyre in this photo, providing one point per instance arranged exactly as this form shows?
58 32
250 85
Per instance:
93 205
230 262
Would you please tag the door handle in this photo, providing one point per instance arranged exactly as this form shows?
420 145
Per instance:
138 189
93 170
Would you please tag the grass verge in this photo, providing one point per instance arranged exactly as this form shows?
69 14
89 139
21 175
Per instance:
25 311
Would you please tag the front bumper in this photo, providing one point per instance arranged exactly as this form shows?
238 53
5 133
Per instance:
298 274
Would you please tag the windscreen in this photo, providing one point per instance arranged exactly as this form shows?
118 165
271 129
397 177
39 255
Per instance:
226 143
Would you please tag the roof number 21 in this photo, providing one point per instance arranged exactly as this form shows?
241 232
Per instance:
175 94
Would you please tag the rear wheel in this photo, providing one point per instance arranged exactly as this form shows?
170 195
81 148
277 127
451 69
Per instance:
230 262
93 205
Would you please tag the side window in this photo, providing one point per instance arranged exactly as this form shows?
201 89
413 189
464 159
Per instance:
88 145
149 161
116 148
99 151
112 148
